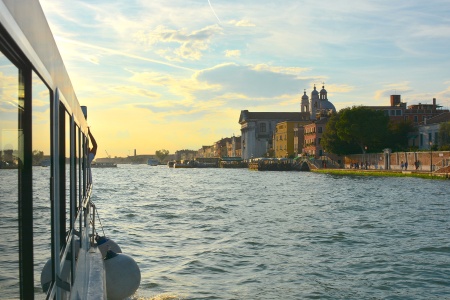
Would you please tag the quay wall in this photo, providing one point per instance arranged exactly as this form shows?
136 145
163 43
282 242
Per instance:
434 160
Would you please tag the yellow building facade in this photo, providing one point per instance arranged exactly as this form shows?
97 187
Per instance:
283 139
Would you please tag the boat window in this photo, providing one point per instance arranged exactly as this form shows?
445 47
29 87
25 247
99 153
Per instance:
11 150
67 165
41 179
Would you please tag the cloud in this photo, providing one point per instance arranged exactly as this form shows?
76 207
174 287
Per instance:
132 90
120 53
242 23
183 44
258 81
232 53
393 89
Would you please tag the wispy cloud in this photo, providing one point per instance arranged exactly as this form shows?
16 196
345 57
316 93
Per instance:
232 53
189 45
116 52
241 23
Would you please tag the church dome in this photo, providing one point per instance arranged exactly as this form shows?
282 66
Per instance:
323 90
305 97
325 104
314 92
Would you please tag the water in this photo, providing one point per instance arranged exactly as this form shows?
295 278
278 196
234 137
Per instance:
239 234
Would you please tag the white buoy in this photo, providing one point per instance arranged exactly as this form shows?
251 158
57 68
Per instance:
46 273
122 276
104 244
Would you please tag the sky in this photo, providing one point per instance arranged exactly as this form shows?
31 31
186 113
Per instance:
176 74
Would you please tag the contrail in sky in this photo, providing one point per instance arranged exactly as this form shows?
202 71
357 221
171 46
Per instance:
112 51
214 11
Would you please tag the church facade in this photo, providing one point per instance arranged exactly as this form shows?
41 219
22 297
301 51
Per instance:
258 128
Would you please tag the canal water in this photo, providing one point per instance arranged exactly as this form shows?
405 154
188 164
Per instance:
240 234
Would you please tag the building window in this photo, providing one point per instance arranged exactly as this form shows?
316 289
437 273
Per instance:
320 129
415 119
398 112
392 112
262 127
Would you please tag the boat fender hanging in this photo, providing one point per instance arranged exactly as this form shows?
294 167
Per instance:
46 274
123 276
104 244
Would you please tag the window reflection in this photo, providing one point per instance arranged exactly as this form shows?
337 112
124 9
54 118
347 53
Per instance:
10 153
41 180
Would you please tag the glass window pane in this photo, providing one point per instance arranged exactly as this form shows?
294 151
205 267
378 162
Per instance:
41 182
67 166
9 183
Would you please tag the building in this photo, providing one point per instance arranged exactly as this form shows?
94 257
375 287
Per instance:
321 109
206 152
299 139
220 147
318 105
234 147
284 143
417 113
185 154
428 130
312 137
257 130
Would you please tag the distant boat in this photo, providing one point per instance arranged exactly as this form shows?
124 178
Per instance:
46 163
152 162
184 164
171 163
103 165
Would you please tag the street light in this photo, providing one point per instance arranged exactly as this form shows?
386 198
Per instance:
431 156
365 156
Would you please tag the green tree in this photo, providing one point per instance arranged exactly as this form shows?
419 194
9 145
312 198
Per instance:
398 135
364 127
444 136
332 143
161 154
38 156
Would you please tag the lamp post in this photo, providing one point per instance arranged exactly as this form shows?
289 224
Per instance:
431 156
365 157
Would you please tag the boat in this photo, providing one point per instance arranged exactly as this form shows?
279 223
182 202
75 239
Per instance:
186 164
78 264
46 163
152 162
103 165
171 163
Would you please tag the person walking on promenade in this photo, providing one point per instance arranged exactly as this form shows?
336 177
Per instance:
406 165
402 165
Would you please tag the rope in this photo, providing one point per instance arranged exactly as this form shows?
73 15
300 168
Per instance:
98 216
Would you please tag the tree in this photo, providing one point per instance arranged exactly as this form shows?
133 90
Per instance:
161 154
444 136
398 135
364 127
332 143
38 156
